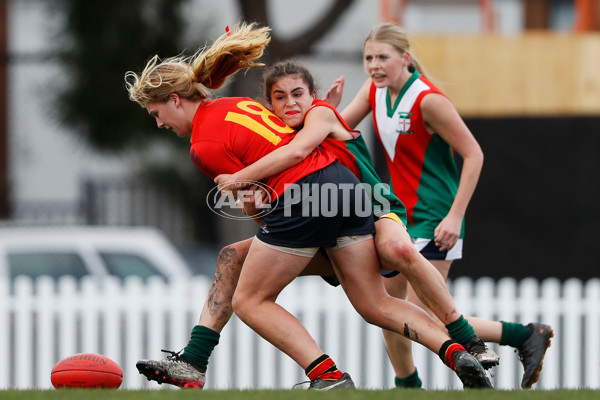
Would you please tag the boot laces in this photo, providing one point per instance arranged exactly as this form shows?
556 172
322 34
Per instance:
174 356
477 346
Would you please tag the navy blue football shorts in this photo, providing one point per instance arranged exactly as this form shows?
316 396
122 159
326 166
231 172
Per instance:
317 209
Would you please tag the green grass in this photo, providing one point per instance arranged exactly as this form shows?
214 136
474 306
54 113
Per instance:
98 394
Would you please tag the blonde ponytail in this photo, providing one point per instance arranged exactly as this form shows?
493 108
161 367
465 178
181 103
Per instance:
231 52
190 77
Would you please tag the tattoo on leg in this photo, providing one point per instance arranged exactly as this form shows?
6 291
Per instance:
224 283
407 332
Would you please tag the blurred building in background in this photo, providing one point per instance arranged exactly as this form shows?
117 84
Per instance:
522 73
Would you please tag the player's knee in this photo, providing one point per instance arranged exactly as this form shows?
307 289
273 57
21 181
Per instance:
231 256
374 317
399 254
239 304
371 313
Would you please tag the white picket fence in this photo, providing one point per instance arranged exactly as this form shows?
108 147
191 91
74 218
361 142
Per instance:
44 321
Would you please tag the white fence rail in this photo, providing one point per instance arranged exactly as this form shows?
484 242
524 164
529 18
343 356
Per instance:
42 322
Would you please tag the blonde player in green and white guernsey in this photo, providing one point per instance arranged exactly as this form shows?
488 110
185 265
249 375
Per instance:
419 129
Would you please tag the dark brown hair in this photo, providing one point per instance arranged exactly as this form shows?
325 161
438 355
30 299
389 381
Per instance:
283 69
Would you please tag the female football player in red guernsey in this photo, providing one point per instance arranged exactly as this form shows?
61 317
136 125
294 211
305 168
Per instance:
231 133
291 94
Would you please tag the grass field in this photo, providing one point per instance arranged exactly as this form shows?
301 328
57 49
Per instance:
98 394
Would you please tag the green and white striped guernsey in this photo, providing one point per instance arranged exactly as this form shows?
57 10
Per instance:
422 167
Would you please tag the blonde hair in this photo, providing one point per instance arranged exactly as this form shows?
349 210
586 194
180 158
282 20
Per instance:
208 68
396 37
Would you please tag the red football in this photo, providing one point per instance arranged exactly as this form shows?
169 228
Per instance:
86 370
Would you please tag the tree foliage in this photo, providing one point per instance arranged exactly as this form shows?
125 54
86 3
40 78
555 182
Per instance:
279 48
257 11
104 40
108 38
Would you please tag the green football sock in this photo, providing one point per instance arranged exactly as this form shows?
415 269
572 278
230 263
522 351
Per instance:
202 342
411 381
460 330
514 334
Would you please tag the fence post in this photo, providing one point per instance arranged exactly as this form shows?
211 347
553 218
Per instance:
135 300
112 331
551 310
5 331
591 344
157 321
507 310
46 335
23 315
90 304
573 290
68 300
